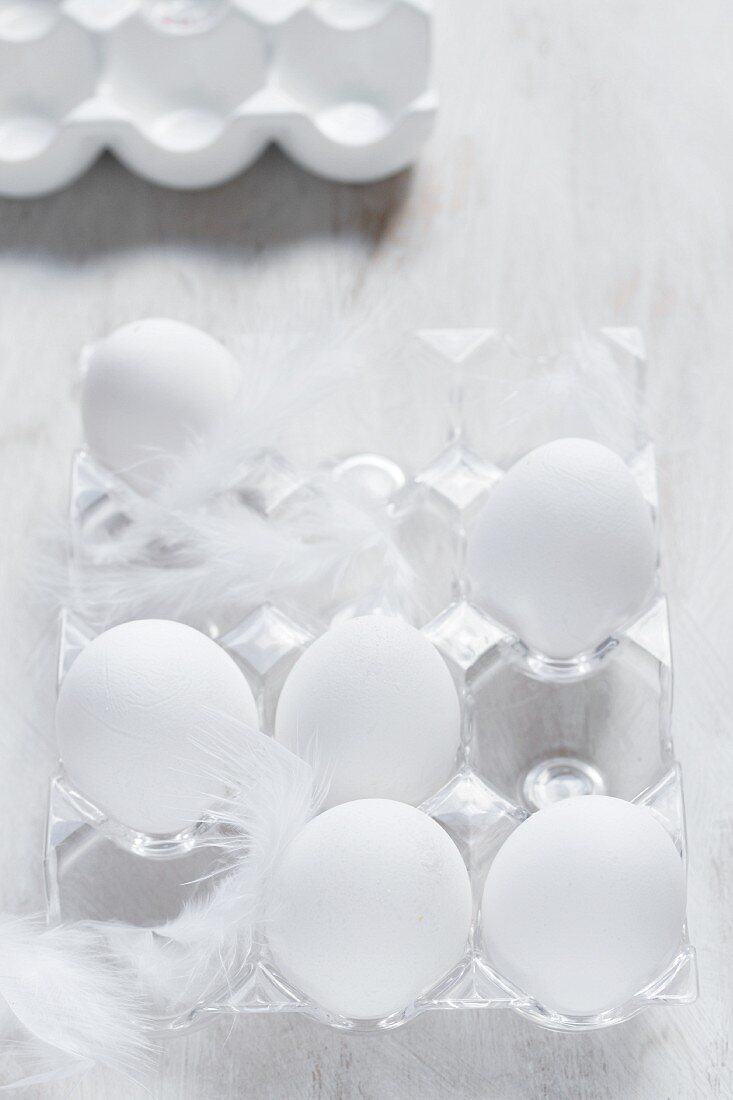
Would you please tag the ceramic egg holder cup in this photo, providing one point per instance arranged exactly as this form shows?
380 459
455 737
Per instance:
534 731
188 94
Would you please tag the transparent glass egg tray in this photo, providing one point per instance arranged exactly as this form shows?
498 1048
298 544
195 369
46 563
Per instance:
189 93
533 730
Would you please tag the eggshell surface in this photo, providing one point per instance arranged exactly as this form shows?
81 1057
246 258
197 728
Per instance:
584 904
133 716
373 700
564 551
152 388
371 906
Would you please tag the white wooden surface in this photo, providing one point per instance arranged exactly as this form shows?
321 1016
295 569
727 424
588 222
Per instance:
112 248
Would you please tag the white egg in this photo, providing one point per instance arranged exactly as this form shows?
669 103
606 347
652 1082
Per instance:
372 699
584 904
371 906
152 388
132 719
563 551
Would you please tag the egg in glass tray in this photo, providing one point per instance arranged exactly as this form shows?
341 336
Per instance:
526 510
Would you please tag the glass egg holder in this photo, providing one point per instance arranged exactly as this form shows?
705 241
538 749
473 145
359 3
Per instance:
534 730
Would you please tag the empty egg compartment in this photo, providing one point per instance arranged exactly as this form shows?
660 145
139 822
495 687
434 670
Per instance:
96 874
371 100
509 397
48 74
176 96
401 537
190 93
608 732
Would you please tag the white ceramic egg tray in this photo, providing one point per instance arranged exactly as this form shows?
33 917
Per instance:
533 731
188 93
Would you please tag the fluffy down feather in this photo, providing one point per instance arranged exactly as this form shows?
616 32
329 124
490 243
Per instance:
214 565
203 951
66 1000
94 992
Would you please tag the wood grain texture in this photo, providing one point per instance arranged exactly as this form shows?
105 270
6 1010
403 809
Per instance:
277 242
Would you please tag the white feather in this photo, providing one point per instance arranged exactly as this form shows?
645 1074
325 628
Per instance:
213 566
204 951
285 378
203 549
68 1001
